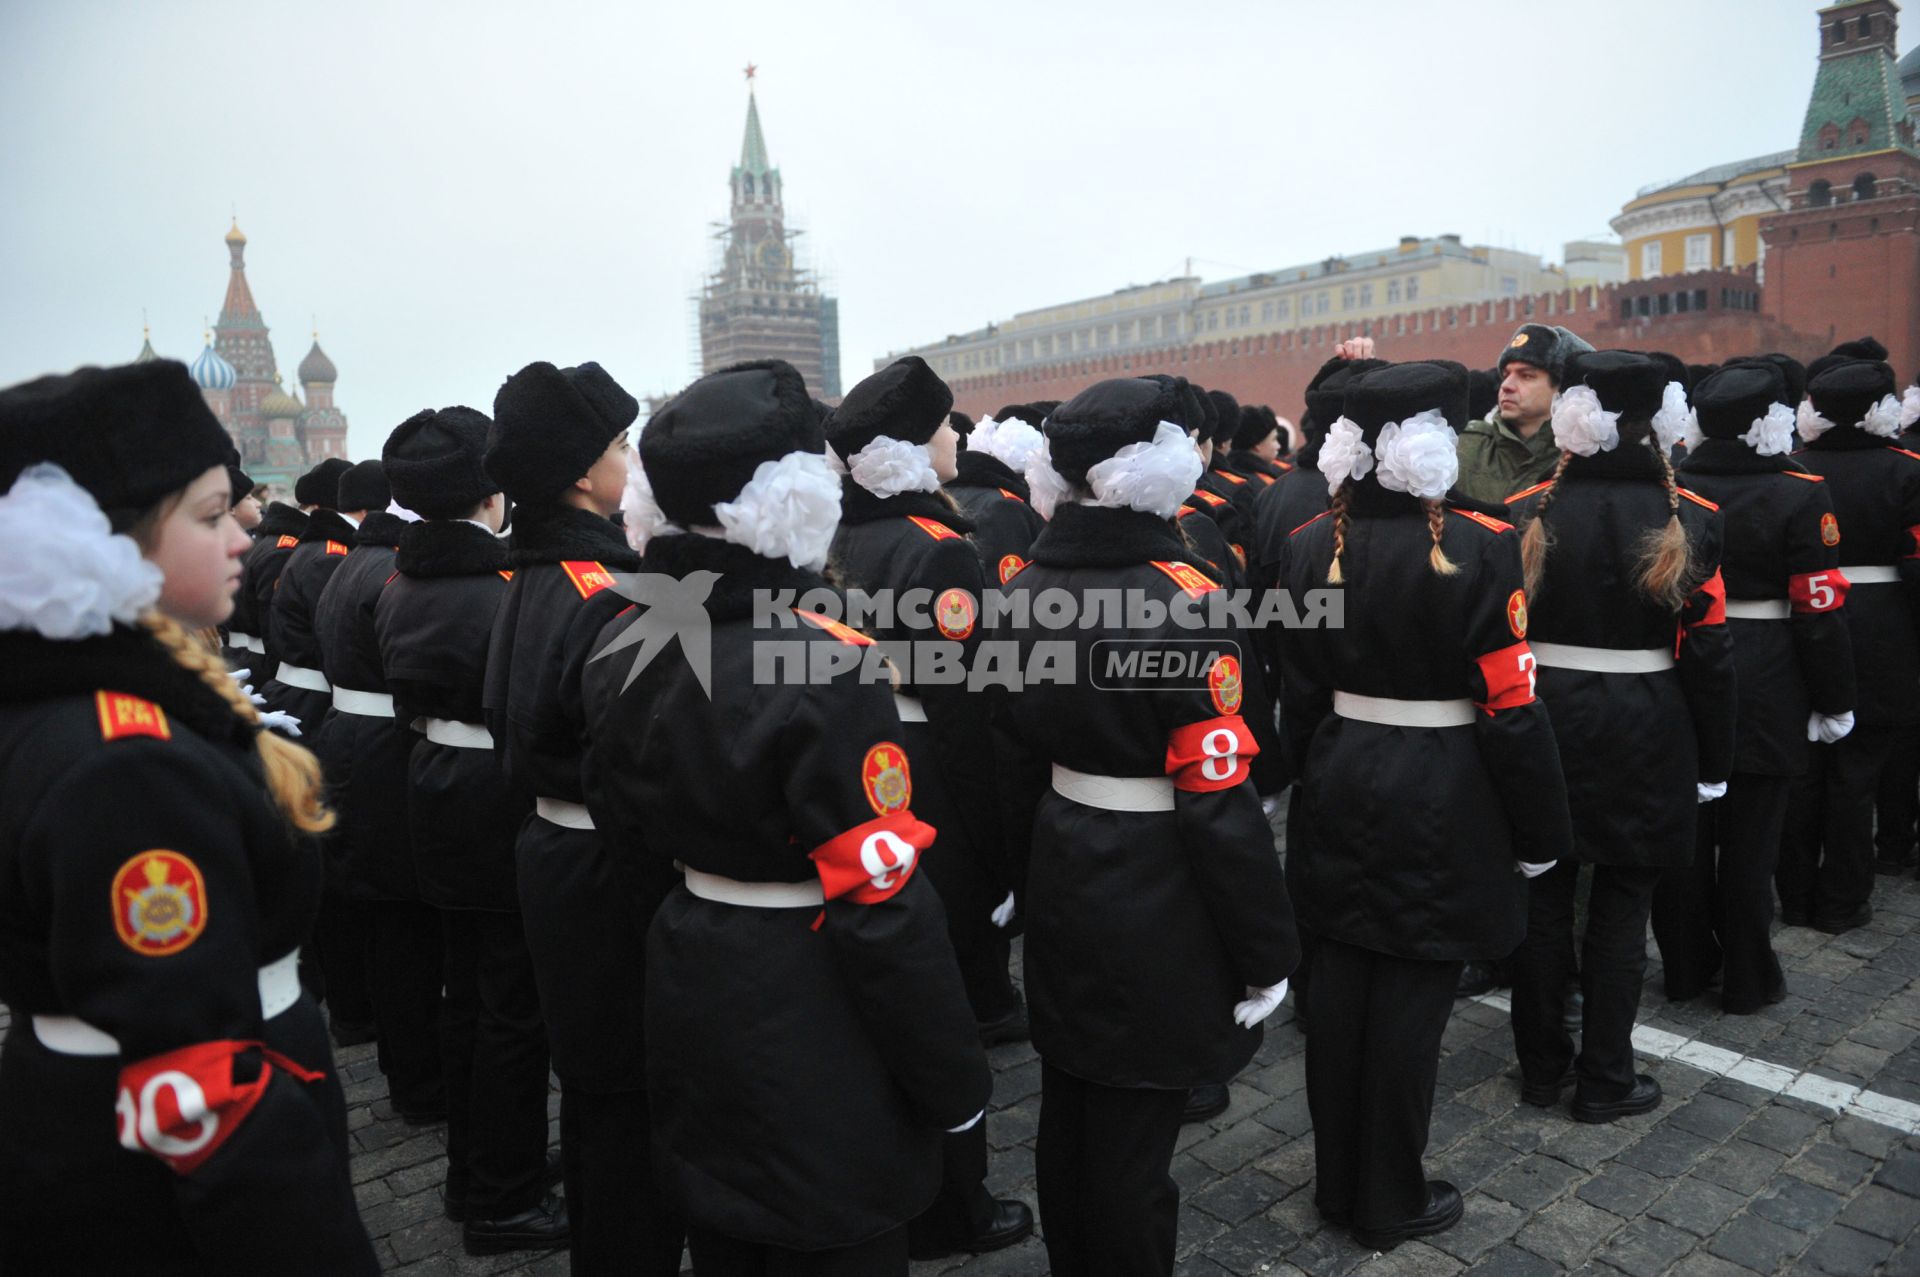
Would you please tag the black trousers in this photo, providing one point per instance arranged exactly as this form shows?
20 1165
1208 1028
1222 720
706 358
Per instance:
964 1207
340 948
717 1255
495 1052
620 1223
1897 808
405 956
1108 1205
1612 963
1717 913
1826 852
1372 1059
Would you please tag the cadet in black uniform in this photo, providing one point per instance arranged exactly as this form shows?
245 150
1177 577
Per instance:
167 1097
1629 630
1222 477
1429 771
559 451
246 512
1794 669
433 622
365 750
1850 418
1159 934
1257 446
990 487
273 541
808 1035
286 612
900 534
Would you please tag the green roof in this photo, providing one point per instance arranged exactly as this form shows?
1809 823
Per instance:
753 148
1855 86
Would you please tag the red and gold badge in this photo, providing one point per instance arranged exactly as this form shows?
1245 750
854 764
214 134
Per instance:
587 576
336 547
1517 613
159 903
1192 580
286 543
1010 566
122 715
1223 685
955 612
1829 529
885 777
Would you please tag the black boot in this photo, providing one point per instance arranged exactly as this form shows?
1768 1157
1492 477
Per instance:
541 1227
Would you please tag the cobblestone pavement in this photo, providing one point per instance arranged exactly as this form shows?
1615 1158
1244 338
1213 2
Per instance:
1787 1144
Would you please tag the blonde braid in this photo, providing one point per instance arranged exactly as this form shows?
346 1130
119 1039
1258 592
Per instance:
1437 524
294 779
1666 565
1338 508
1536 541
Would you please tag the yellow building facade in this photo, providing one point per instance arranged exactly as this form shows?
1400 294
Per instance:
1708 220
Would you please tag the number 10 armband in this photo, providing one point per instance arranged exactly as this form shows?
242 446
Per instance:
1211 754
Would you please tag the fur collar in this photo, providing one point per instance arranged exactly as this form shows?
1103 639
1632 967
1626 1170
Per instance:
742 572
1250 464
327 525
978 470
449 547
280 520
380 528
547 533
857 505
1626 461
1371 501
127 660
1086 536
1730 456
1848 439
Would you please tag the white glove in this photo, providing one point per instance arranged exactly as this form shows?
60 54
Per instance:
1271 804
967 1125
1003 912
1531 870
240 676
288 723
1828 728
1710 792
1260 1004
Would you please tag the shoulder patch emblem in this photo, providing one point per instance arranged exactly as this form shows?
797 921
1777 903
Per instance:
1010 565
1239 554
122 715
1196 583
954 613
1524 493
286 543
886 778
933 528
587 576
1230 476
1011 495
1696 498
1224 686
1829 529
159 903
334 547
1802 474
1486 521
1517 613
1211 498
845 633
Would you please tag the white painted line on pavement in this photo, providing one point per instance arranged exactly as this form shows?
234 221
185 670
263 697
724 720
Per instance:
1840 1097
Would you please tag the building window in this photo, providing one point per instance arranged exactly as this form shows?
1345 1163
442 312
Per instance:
1727 248
1346 298
1820 194
1865 187
1281 307
1626 309
1233 317
1213 320
1413 288
1509 286
1366 294
1699 249
1666 304
1699 299
1393 291
1830 137
1650 259
1326 303
1246 315
1683 302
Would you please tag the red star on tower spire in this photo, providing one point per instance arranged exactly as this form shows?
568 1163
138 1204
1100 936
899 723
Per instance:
751 68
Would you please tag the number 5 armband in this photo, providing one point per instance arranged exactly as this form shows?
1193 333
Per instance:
183 1105
1211 754
872 861
1817 591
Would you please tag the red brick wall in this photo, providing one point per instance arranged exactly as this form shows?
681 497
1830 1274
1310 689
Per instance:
1850 269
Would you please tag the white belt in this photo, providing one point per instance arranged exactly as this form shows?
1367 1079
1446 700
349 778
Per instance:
1114 793
911 710
558 811
754 895
240 639
279 983
1870 574
1603 660
1759 609
301 676
458 735
1393 713
256 644
365 704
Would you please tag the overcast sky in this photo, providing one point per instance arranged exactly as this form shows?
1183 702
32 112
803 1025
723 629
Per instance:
456 190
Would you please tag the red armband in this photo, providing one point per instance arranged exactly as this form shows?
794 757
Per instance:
1818 591
871 862
1913 534
1509 675
183 1105
1211 754
1715 590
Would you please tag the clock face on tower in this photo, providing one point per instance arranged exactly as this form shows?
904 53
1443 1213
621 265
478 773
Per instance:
771 255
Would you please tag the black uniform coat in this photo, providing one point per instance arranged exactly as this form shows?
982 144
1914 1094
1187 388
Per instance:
1876 498
1144 929
1231 512
144 878
1199 521
1782 542
1633 745
260 568
291 636
1263 473
365 756
802 1062
997 501
1416 829
434 622
583 904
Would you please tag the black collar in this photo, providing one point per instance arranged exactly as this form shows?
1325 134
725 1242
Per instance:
327 525
1847 439
549 533
742 572
1086 536
34 668
450 547
380 528
979 470
1730 456
1626 461
857 505
280 520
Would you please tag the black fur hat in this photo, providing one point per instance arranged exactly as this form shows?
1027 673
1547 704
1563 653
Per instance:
1844 389
1676 368
1793 374
1327 392
1396 392
239 483
551 424
962 424
1483 393
1697 373
1031 413
703 447
1861 348
906 400
320 486
1545 347
1729 401
129 435
1256 423
364 487
436 462
1627 382
1226 419
1107 416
